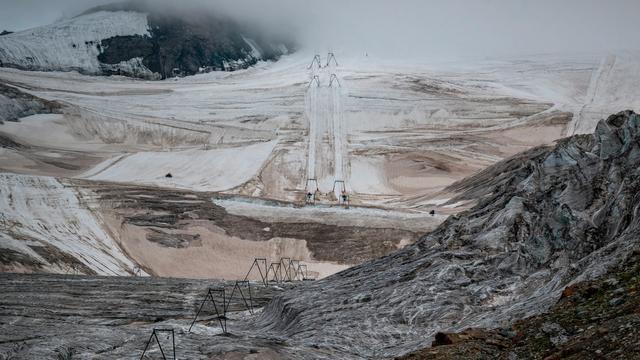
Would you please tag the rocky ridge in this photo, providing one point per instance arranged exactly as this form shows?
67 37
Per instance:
556 216
593 319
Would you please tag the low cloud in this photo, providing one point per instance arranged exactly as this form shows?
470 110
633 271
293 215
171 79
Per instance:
407 28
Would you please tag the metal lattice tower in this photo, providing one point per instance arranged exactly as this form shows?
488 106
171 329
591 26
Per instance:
334 79
331 56
154 334
315 79
221 316
261 265
316 60
248 301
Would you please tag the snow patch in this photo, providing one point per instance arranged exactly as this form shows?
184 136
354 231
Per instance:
200 170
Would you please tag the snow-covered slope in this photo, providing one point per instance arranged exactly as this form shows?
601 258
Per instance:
43 226
405 130
613 87
72 44
201 170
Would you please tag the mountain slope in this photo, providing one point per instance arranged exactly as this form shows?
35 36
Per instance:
139 39
45 227
557 216
73 44
598 317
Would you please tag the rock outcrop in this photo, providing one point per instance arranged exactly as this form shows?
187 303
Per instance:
592 319
544 220
189 44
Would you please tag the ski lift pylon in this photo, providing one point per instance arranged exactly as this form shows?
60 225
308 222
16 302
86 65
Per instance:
155 334
341 184
343 198
334 78
261 265
310 190
315 79
316 60
331 56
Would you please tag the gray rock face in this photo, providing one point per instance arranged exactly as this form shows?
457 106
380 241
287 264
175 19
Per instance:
113 317
545 219
15 104
190 43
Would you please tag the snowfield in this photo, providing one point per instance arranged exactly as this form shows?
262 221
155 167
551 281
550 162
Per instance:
611 89
200 170
398 133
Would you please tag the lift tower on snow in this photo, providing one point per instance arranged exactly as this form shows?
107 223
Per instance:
331 56
334 79
315 79
316 61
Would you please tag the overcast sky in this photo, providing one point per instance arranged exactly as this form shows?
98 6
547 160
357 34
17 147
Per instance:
411 27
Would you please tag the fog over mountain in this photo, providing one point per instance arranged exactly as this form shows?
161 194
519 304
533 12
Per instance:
433 28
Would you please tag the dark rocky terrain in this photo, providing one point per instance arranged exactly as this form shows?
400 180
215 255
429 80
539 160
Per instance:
185 44
42 316
597 319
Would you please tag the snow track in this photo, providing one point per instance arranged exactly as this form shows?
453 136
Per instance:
311 100
200 170
598 79
613 87
327 132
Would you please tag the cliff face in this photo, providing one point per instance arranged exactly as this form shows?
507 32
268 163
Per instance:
545 219
140 40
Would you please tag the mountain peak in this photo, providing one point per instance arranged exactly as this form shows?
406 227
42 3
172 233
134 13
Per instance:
141 39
